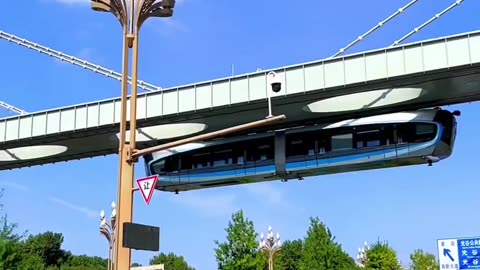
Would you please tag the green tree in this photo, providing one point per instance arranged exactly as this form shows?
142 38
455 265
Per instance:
240 251
423 261
321 252
289 256
46 246
82 261
32 262
10 257
380 256
171 261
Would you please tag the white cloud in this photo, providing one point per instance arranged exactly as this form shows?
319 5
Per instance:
209 205
14 185
88 212
224 201
90 55
266 192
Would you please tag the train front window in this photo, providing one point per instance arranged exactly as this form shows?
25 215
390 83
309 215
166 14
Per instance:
424 132
416 132
158 167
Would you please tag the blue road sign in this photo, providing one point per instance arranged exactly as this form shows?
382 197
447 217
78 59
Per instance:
469 253
456 254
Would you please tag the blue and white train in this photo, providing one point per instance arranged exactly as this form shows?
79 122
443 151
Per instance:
382 141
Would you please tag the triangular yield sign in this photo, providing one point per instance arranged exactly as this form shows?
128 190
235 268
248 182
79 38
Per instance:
147 187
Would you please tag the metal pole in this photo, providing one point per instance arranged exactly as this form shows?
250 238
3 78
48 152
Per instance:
127 167
269 105
270 260
207 136
109 255
133 98
122 256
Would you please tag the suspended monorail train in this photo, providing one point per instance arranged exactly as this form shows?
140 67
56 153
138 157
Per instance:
391 140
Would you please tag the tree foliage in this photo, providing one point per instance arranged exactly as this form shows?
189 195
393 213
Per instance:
423 261
171 261
44 251
47 246
240 251
382 257
318 250
321 252
289 256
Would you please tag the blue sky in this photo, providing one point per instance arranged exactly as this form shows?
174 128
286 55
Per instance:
410 207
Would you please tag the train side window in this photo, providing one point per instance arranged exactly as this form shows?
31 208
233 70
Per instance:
388 135
201 160
300 145
378 136
405 133
265 152
342 142
369 138
240 160
295 147
171 164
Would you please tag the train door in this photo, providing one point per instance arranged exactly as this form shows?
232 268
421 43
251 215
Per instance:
184 165
389 142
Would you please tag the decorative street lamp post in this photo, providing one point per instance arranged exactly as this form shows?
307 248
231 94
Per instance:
131 19
362 255
107 229
270 245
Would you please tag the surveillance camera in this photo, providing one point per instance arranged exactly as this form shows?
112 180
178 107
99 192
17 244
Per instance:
276 87
275 82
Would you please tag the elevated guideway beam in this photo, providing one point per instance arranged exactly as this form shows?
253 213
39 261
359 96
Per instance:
423 74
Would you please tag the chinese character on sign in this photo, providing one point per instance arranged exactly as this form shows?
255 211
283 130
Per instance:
442 244
464 253
474 252
465 262
452 243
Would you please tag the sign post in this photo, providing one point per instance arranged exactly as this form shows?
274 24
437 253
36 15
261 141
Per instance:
457 254
147 187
